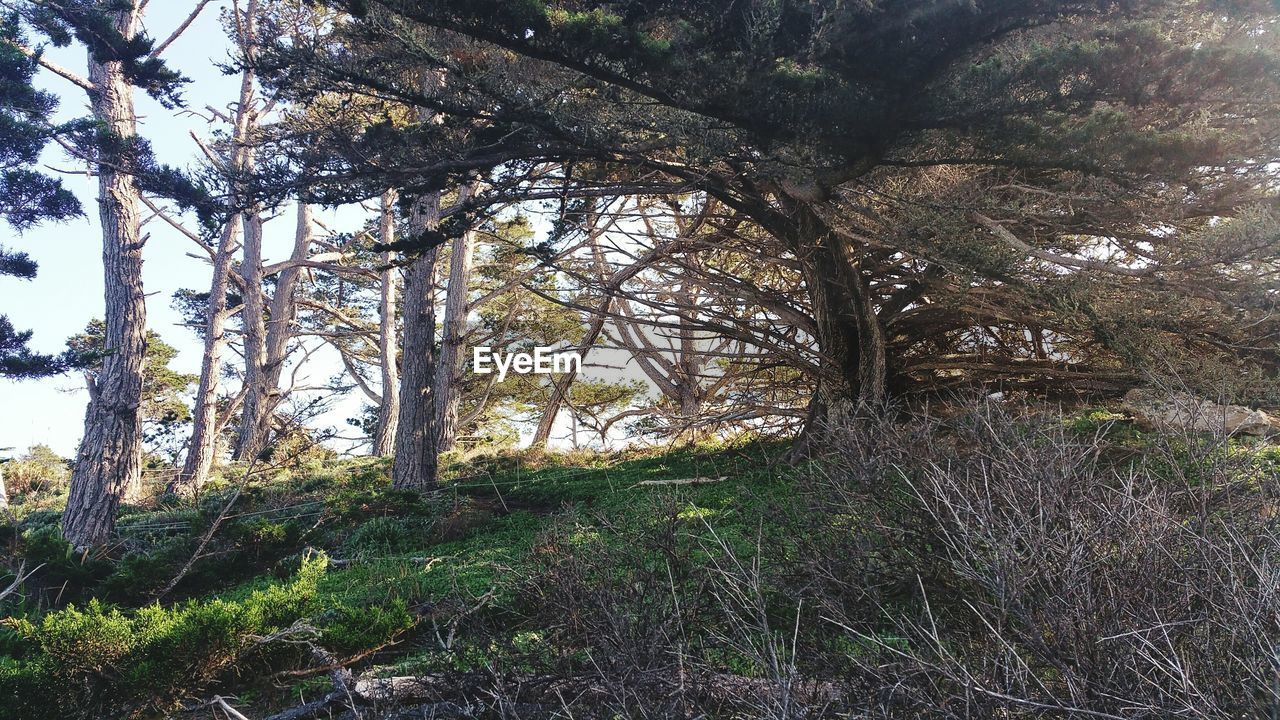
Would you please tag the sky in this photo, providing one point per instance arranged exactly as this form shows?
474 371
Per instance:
67 292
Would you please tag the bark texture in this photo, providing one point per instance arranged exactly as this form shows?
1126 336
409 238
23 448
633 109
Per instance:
448 394
108 463
204 417
253 415
853 368
388 339
416 439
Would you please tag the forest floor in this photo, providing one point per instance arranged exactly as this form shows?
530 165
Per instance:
708 580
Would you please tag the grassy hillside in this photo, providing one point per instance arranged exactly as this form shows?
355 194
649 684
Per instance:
914 567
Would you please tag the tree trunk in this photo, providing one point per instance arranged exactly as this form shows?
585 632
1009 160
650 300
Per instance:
109 461
689 365
204 419
852 370
253 415
388 340
448 395
416 439
560 387
283 313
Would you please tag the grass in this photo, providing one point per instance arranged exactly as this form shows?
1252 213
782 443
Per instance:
407 563
528 562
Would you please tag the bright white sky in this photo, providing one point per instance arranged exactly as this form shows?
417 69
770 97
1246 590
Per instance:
67 293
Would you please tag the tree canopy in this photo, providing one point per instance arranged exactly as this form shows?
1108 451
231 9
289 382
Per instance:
984 191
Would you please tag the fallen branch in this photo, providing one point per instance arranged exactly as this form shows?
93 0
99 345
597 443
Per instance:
681 481
20 577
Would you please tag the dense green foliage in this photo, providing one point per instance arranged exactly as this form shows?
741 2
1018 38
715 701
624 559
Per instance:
960 185
27 197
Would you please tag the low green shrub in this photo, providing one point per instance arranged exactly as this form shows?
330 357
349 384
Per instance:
351 629
99 661
386 536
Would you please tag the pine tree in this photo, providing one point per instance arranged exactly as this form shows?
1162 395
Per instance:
27 197
947 176
121 58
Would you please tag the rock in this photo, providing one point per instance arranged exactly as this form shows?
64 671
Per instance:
1183 411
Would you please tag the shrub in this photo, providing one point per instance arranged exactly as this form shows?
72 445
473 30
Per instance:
350 629
40 470
622 603
1019 568
386 536
101 662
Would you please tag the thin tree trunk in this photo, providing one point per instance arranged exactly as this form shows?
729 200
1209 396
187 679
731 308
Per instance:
108 463
281 326
204 422
204 419
416 439
388 341
448 396
560 386
253 422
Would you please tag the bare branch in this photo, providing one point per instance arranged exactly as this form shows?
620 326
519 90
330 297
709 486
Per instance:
180 29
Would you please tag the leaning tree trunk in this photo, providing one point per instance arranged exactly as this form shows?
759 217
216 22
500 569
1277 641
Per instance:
416 444
109 461
253 414
560 386
283 312
388 341
204 418
448 395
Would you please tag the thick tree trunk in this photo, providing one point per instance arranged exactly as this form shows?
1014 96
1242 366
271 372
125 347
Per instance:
388 339
108 463
204 418
254 413
416 440
853 369
690 366
448 395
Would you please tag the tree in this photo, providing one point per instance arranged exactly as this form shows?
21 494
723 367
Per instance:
121 58
930 168
388 331
164 409
236 161
417 440
27 197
